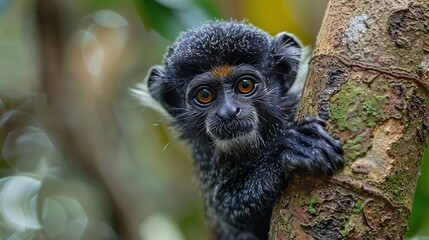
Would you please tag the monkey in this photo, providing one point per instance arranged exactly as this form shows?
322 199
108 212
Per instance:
232 91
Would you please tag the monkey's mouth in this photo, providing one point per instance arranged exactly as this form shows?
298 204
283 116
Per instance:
227 137
231 130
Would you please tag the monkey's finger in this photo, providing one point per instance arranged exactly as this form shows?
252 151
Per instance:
319 132
328 138
311 120
332 155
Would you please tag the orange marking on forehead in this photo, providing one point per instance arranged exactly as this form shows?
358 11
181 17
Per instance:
221 71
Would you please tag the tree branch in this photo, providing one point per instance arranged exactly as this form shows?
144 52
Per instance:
369 78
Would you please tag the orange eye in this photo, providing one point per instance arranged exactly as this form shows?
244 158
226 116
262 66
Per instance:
245 86
204 96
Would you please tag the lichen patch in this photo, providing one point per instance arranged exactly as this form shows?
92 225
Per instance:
356 28
377 160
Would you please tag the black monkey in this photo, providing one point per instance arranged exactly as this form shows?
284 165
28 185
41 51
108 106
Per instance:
232 91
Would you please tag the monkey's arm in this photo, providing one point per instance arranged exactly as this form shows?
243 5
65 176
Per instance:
248 195
305 146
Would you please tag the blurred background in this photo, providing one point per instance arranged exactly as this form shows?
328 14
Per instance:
81 158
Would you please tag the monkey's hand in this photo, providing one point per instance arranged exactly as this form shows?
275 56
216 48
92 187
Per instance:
308 146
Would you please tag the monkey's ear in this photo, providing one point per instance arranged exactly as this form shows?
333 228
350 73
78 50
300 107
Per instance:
160 90
286 50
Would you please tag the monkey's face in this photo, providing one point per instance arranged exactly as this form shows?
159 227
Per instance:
227 82
225 98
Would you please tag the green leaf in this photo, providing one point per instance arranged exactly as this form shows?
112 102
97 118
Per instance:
170 17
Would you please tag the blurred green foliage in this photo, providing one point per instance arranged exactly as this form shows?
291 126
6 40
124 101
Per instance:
123 165
418 223
170 17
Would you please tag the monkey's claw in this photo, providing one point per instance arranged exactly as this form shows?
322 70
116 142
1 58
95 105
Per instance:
309 146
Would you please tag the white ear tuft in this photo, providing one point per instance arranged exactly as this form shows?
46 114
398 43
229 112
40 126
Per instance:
141 92
298 85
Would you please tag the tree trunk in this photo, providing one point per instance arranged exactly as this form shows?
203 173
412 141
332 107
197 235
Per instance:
369 78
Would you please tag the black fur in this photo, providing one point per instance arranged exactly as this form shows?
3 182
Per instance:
245 146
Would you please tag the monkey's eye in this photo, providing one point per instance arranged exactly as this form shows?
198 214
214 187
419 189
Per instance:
245 86
204 96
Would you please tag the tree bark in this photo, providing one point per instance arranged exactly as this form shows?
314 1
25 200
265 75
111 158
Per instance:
368 78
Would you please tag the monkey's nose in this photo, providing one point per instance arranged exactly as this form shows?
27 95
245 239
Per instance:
228 111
